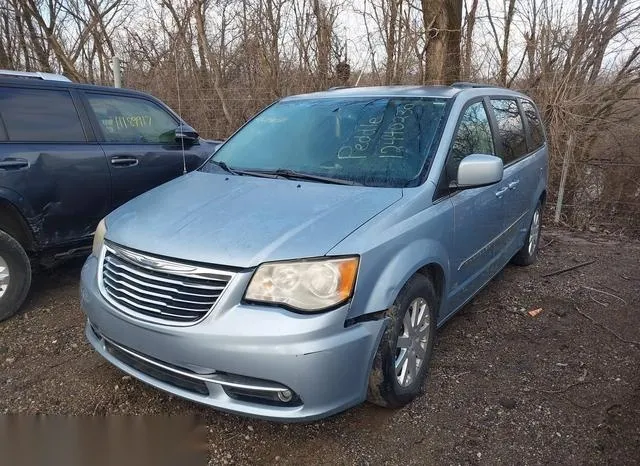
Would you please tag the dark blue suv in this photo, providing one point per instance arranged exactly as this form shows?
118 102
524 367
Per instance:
69 154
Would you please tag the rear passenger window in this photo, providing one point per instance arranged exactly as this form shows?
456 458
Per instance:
132 120
40 115
536 133
472 137
510 129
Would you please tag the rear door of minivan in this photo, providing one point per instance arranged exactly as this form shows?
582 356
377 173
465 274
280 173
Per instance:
137 134
51 166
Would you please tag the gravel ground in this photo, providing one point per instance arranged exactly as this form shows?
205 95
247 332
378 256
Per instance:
505 387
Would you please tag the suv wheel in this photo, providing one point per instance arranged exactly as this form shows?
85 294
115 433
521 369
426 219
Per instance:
402 360
15 275
528 254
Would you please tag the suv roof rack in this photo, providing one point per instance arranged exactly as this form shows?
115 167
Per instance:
465 85
335 88
34 75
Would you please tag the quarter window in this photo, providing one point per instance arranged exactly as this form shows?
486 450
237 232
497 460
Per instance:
472 137
40 115
510 129
536 133
132 120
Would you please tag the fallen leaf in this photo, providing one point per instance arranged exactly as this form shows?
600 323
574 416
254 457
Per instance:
535 312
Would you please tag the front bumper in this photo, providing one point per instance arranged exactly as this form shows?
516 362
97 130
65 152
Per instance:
323 363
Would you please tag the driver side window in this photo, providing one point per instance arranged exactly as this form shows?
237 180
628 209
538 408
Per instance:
472 137
132 120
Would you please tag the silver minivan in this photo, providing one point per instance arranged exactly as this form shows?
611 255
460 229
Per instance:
306 266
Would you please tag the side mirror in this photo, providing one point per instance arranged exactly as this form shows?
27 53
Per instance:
186 135
479 170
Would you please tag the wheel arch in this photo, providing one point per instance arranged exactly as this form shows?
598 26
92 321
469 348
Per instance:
13 222
435 272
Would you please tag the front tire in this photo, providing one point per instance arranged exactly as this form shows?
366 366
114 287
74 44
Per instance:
15 275
528 254
401 363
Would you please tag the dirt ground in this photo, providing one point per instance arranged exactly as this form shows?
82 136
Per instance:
504 387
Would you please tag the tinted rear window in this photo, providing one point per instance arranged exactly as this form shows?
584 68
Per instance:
535 125
40 115
510 129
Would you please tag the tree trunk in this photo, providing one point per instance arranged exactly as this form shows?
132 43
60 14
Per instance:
433 20
468 39
442 21
390 68
453 12
323 43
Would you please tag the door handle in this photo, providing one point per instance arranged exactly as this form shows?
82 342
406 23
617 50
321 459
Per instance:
501 191
124 161
513 184
14 164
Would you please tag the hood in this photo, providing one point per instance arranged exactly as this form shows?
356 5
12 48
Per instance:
242 221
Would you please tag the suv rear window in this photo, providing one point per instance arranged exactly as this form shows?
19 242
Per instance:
536 133
40 115
510 129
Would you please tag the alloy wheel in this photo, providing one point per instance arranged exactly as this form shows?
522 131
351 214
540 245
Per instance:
412 342
534 231
4 276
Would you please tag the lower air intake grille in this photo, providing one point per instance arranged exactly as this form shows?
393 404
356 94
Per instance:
155 372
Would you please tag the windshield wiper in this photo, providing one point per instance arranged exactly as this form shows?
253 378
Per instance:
283 173
292 174
237 172
225 167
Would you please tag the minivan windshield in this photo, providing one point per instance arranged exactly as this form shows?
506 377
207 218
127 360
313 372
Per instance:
376 141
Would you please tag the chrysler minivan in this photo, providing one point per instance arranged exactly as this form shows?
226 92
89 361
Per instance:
306 265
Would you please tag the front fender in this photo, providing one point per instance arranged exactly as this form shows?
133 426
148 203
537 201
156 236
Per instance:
384 273
393 247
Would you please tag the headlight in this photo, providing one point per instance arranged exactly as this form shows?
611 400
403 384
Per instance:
98 238
310 285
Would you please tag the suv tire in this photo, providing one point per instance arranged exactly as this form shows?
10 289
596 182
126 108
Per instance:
15 265
528 254
401 363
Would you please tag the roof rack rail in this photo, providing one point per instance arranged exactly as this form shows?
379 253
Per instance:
470 85
335 88
34 75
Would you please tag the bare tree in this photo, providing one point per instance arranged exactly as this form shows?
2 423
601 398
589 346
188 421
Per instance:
467 46
442 24
228 58
502 44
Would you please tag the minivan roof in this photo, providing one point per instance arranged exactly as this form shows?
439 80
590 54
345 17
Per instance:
382 91
443 92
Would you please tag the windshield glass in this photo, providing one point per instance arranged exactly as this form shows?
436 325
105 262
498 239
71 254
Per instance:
370 141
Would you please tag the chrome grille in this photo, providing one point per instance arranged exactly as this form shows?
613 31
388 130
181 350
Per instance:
152 288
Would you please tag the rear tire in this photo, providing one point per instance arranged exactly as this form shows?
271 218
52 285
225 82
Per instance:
402 361
528 254
15 275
